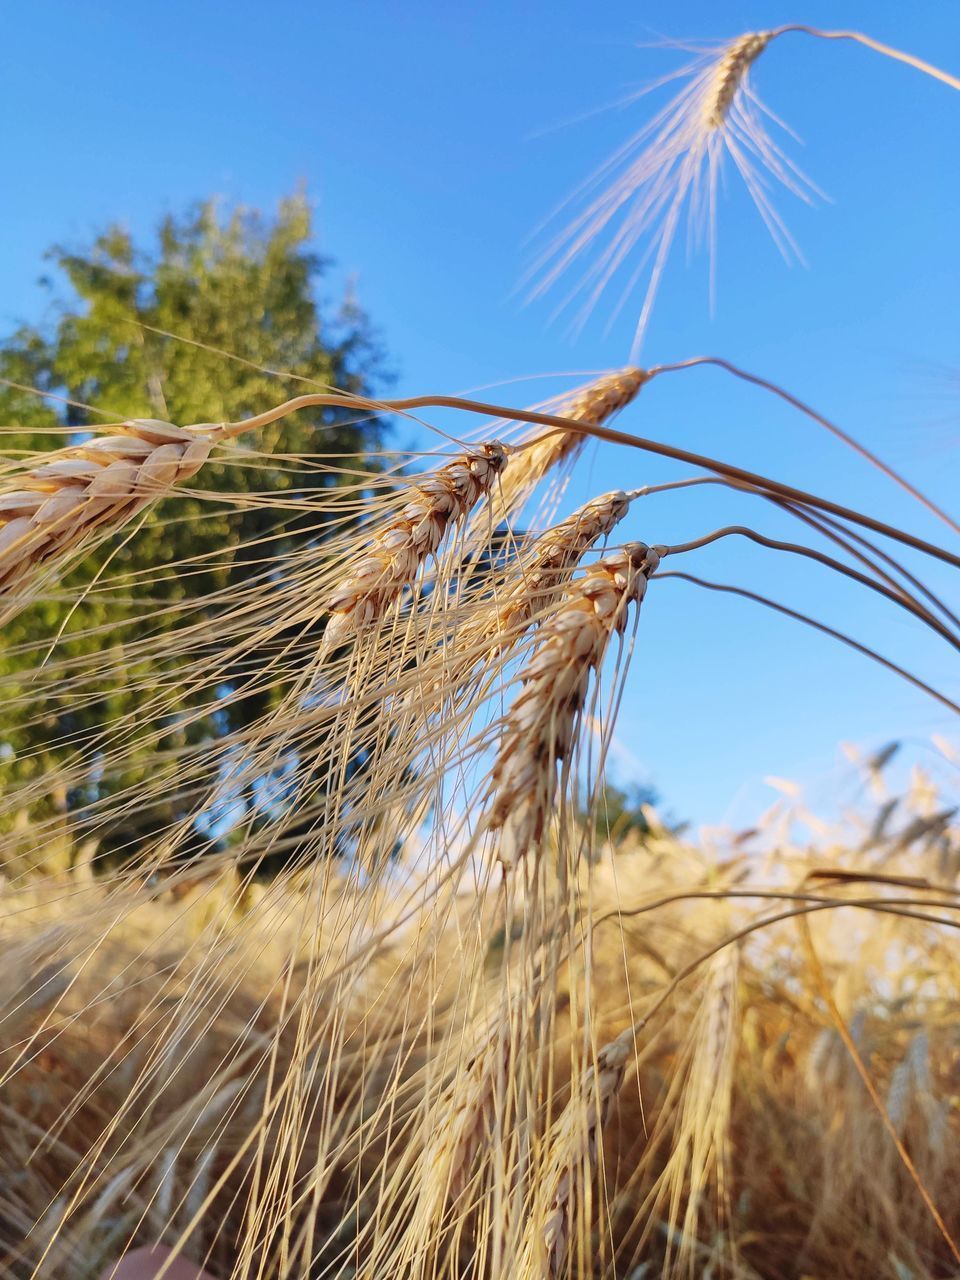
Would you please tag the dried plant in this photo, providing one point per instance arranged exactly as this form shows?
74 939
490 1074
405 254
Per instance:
50 509
321 1082
352 1033
557 553
593 405
398 551
542 722
576 1146
674 164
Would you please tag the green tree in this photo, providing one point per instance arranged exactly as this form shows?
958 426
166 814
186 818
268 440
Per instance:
185 331
618 812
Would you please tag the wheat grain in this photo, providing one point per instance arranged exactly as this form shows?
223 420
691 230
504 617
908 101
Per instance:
671 170
558 552
395 555
909 1080
451 1154
541 724
103 481
700 1144
539 583
729 73
472 1119
592 405
900 1094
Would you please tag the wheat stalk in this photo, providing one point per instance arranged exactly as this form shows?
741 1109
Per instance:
541 724
395 555
59 504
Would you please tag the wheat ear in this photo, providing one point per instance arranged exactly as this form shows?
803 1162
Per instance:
103 481
557 553
453 1152
541 724
577 1144
592 405
395 555
729 71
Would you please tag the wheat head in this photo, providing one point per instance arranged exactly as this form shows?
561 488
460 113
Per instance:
592 405
558 552
58 505
541 724
580 1130
395 555
454 1149
728 75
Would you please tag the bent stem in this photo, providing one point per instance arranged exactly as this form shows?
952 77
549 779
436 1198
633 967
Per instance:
795 548
229 430
867 454
729 589
877 46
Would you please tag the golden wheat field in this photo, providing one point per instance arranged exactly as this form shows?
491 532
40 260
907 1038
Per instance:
329 949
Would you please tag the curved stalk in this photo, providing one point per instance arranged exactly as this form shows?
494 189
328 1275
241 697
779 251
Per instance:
228 430
795 548
797 616
877 46
795 402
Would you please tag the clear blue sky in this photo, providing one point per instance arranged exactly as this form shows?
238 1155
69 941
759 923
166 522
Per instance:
425 134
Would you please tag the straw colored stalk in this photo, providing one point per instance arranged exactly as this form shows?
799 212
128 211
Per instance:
577 1143
58 505
541 725
395 555
592 405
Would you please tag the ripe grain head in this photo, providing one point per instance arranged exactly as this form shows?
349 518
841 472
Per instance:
556 554
594 404
574 1159
728 75
541 724
57 505
393 559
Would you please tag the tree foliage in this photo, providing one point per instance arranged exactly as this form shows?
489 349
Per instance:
186 330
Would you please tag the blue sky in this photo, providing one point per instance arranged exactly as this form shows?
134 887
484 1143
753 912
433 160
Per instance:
432 139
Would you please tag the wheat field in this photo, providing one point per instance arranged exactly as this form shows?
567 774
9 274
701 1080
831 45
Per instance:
424 1011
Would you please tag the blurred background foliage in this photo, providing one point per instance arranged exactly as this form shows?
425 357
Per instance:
187 329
